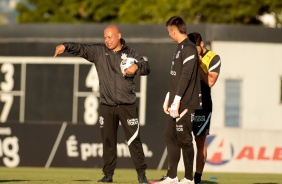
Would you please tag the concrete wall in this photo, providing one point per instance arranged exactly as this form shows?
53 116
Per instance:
258 65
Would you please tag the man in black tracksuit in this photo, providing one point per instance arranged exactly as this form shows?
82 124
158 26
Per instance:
182 99
116 65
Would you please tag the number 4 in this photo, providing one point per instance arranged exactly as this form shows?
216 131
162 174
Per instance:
92 80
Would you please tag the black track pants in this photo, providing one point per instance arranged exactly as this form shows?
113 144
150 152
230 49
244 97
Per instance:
109 118
178 136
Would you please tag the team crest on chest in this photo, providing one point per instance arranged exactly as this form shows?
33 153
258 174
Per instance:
123 57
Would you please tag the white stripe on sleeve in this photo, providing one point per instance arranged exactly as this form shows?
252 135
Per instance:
188 58
214 66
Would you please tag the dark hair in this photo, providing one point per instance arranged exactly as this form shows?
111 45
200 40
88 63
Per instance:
178 22
195 37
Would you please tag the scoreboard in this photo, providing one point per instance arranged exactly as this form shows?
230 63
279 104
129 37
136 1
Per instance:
47 89
49 114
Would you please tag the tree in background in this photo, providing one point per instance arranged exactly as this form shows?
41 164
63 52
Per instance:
235 11
7 11
64 11
152 11
148 11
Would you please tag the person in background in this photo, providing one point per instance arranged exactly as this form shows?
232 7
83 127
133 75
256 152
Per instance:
116 65
182 99
210 64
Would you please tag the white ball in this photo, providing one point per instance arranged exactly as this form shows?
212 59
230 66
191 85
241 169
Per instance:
125 63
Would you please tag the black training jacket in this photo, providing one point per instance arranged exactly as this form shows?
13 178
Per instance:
185 76
115 89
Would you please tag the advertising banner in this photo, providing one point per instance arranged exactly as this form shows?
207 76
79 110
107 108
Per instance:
237 150
68 145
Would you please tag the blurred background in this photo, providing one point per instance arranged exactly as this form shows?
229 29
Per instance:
49 105
243 12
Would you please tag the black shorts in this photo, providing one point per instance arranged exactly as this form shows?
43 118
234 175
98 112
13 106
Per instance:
179 130
201 122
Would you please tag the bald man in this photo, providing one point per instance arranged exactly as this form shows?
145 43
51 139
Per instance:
116 65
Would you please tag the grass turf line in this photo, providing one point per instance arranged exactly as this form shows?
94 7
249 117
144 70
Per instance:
34 175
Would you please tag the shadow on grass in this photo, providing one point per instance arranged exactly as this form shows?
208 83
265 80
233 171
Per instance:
7 181
265 183
208 182
82 180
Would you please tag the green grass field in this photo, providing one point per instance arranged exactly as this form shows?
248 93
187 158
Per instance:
124 176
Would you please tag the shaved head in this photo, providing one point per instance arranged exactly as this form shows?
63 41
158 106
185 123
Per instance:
112 38
112 28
